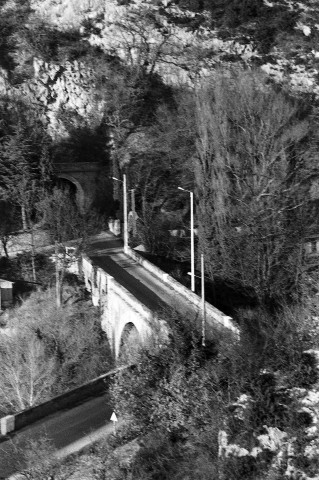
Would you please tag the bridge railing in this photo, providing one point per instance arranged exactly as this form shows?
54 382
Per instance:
218 317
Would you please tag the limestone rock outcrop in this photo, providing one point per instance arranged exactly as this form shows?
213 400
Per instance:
180 45
56 89
185 45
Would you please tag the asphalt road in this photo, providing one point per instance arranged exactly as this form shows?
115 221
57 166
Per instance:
68 430
107 253
140 291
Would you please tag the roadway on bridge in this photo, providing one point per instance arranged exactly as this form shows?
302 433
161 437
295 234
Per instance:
68 430
121 268
107 253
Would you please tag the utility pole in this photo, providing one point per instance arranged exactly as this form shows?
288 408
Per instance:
125 233
125 214
203 300
192 243
133 211
58 287
192 238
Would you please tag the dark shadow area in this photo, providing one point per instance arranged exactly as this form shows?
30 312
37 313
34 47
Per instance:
249 17
11 20
65 184
19 271
129 344
84 144
225 295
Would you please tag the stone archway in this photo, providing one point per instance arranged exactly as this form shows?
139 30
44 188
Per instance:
130 342
79 195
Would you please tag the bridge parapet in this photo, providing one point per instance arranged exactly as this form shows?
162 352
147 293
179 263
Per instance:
213 315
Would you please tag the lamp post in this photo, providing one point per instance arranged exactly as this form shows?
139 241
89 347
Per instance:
192 238
125 233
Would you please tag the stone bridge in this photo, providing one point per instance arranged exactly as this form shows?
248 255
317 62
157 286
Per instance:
135 299
120 310
84 176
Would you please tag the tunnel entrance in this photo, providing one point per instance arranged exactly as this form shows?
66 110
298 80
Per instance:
67 182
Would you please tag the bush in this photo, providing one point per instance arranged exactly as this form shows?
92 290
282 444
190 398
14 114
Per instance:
179 398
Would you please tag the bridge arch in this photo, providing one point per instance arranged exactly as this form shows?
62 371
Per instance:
130 340
80 195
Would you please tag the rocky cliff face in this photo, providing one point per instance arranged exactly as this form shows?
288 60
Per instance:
179 44
67 86
185 44
53 88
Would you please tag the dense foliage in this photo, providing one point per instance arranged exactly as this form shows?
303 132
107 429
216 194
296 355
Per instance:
181 395
181 401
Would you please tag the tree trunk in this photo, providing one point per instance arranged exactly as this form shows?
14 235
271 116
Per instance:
58 290
4 242
33 255
24 218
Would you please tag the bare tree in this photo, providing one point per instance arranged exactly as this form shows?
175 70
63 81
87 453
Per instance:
8 223
27 374
25 172
251 168
18 173
48 350
61 216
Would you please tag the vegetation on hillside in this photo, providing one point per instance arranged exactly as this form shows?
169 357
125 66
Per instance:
230 410
238 408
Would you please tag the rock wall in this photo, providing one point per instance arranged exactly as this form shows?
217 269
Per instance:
68 87
180 45
183 51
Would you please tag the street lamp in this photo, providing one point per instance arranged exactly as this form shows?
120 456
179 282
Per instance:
124 210
202 277
192 238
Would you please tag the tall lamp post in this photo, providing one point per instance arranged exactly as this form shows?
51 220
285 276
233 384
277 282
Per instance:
192 238
125 233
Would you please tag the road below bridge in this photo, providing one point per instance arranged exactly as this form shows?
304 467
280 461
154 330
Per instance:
68 430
